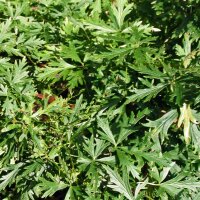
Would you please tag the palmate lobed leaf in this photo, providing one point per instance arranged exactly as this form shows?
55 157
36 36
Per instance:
94 147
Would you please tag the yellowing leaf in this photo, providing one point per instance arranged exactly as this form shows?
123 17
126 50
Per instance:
181 118
186 117
191 116
186 128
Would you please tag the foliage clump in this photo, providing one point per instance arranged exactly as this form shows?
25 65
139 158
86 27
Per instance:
99 99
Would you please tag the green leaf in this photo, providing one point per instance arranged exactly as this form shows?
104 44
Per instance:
118 184
174 187
94 148
165 172
107 160
150 72
162 124
3 90
139 187
120 11
107 133
100 28
75 78
113 53
51 73
31 169
70 52
77 109
195 135
50 187
147 93
10 127
9 178
124 133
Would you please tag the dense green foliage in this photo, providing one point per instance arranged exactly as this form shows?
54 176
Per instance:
99 99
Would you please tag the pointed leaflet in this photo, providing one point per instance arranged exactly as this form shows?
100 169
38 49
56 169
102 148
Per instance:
120 11
70 52
147 93
124 133
113 53
140 186
154 173
165 172
100 147
100 28
94 148
19 72
150 72
107 160
77 109
155 157
173 186
53 73
107 133
50 187
134 171
195 133
31 168
9 178
186 51
89 146
74 78
141 114
97 7
5 32
33 43
10 127
162 124
70 194
118 184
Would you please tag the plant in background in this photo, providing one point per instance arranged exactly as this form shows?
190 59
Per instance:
99 99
